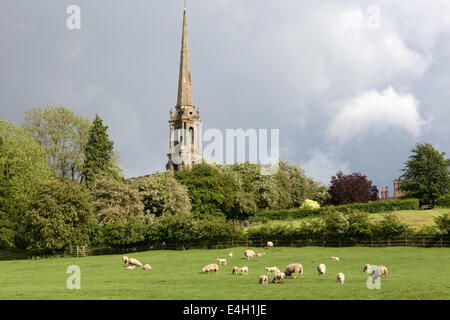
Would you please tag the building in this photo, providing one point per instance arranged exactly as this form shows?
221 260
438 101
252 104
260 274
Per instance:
397 191
185 147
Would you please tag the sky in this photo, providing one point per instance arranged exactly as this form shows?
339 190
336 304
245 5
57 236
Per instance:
351 86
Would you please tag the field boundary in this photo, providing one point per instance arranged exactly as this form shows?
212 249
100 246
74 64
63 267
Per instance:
409 241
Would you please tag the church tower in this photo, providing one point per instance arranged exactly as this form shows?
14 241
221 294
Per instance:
185 125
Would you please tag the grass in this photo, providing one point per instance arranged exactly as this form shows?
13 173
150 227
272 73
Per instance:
414 273
415 218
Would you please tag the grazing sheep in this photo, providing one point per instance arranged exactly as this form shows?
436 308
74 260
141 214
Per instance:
321 268
135 262
235 270
278 276
294 268
131 267
335 258
383 272
230 254
263 279
249 255
147 267
271 270
211 268
244 270
270 244
220 261
261 254
340 278
125 259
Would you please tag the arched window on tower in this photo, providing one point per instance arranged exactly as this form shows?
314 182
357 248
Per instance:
191 133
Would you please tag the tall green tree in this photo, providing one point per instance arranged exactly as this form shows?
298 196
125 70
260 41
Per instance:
426 174
62 134
99 158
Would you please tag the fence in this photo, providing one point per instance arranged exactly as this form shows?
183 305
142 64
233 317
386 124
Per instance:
410 241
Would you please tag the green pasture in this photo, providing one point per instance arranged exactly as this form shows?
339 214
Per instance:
414 273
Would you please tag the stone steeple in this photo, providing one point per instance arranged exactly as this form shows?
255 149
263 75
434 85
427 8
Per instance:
184 79
185 125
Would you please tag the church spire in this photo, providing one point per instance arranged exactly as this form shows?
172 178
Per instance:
184 80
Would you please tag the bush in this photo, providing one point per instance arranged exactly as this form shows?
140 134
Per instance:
126 233
442 223
444 201
310 204
391 226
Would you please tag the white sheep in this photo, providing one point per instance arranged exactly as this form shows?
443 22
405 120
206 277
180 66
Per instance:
135 262
249 255
125 259
271 270
220 261
294 268
147 267
235 270
244 270
270 244
263 279
335 258
260 254
211 268
230 254
321 268
340 278
131 267
278 276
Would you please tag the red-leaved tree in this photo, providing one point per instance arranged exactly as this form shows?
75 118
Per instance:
350 188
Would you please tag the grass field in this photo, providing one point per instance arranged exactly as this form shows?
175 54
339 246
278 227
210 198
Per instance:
414 218
414 273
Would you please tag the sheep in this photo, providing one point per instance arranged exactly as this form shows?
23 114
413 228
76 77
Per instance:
269 244
249 255
125 259
335 258
230 254
383 272
263 279
294 268
261 254
235 270
211 268
131 267
271 270
278 276
147 267
244 270
220 261
135 262
340 278
321 268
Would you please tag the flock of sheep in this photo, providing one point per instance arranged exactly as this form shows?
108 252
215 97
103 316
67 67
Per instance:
133 263
293 269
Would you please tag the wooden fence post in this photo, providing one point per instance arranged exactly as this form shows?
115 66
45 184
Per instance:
389 242
406 241
423 240
441 242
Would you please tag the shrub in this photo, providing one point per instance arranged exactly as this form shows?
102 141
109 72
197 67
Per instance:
310 204
391 225
444 201
443 224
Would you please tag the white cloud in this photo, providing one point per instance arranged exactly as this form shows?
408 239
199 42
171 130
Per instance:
373 112
322 165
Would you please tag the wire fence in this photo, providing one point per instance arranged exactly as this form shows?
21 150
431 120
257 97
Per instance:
410 241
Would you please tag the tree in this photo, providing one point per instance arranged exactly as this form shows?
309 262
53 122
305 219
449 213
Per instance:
58 217
62 134
115 200
162 194
351 188
23 165
426 174
98 154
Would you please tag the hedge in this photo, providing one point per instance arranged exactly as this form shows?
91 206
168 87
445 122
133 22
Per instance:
370 207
